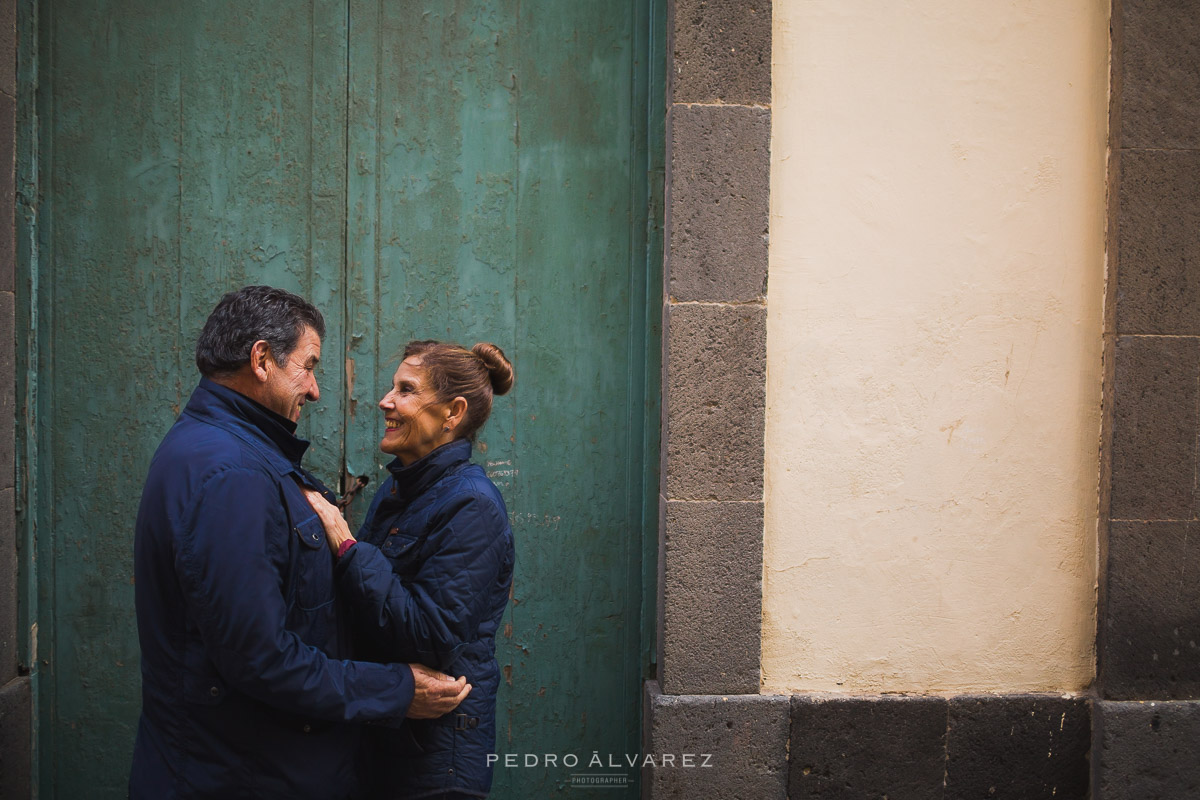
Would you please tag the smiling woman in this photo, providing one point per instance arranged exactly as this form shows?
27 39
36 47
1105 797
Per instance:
414 422
441 392
428 577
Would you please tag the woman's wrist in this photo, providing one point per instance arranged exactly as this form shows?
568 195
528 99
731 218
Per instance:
345 545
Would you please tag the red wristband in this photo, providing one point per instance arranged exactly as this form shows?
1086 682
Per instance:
344 546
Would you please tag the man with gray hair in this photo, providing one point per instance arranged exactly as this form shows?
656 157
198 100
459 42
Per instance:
246 690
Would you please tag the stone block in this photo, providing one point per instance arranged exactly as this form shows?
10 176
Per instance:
1157 223
738 744
712 598
716 399
1157 51
16 739
722 52
718 211
1023 747
858 748
8 589
1147 750
1154 429
1150 625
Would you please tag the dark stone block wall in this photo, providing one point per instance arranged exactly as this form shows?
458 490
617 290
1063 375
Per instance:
715 280
1147 734
714 408
1147 723
705 700
1024 747
762 747
851 747
1147 750
737 743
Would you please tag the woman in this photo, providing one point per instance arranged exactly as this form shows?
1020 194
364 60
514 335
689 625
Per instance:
428 576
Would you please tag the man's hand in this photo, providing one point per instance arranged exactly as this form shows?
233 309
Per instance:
435 694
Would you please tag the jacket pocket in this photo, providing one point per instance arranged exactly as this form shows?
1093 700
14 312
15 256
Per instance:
312 566
398 545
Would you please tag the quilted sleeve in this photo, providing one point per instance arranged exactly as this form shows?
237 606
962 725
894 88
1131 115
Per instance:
430 618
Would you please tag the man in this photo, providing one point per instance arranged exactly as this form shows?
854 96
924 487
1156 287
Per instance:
244 690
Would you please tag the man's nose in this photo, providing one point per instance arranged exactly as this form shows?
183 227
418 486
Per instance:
314 391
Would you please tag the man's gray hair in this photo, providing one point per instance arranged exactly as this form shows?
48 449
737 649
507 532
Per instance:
248 315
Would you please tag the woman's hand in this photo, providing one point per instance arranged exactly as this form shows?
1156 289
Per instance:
336 529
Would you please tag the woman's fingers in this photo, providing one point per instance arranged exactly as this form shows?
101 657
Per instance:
325 510
315 499
336 529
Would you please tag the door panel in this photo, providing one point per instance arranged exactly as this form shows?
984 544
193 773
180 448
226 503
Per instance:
186 150
491 199
459 170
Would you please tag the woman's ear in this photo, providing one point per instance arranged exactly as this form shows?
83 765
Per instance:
457 413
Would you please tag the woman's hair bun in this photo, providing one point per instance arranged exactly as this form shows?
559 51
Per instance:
500 371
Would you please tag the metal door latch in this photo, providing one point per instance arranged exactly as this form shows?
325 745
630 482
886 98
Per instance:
348 498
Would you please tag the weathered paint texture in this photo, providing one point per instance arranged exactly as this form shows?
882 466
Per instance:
183 154
933 345
490 199
471 171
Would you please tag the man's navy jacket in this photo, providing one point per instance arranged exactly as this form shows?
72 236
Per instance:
244 690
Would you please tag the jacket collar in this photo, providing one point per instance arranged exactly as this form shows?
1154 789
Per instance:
427 470
271 434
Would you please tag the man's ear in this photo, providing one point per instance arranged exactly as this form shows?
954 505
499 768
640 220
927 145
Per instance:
260 354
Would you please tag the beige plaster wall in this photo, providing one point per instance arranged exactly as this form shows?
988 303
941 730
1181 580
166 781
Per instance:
933 345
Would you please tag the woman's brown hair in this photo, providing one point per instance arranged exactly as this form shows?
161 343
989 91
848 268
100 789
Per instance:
475 375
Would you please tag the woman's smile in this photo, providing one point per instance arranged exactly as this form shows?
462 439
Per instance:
415 423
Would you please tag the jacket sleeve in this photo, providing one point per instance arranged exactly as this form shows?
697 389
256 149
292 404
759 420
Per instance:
431 617
231 560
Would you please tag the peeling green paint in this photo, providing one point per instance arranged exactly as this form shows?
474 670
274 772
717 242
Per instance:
464 170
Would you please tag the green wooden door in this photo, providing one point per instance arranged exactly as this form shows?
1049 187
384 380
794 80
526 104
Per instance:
464 170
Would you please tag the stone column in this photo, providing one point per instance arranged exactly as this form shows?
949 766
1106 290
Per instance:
717 204
1147 727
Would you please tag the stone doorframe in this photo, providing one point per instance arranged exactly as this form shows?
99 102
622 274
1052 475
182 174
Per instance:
706 698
